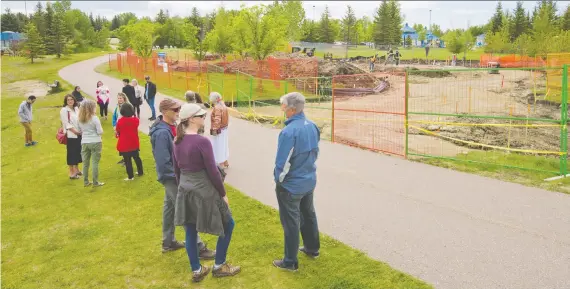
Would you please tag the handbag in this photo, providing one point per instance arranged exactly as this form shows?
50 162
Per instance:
61 135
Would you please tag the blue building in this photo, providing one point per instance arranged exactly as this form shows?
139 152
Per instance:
8 37
408 31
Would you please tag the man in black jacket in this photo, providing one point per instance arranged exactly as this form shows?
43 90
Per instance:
130 92
150 92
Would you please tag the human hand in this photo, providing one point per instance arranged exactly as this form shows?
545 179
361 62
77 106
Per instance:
226 200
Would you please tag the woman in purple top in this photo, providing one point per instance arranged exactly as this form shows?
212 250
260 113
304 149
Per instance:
201 202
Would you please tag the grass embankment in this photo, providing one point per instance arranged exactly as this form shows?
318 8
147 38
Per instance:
533 178
58 234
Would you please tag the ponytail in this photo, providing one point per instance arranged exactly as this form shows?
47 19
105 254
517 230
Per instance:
180 130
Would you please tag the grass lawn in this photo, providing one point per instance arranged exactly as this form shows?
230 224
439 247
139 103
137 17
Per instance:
524 177
58 234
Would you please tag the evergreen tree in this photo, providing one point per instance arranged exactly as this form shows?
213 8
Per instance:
34 44
161 17
349 23
519 21
195 18
497 19
49 36
325 29
565 23
395 22
382 25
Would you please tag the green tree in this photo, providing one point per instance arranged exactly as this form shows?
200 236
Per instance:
408 41
263 30
195 18
10 21
34 44
348 26
60 33
565 23
220 38
39 20
497 19
395 21
49 36
454 41
422 33
162 17
382 24
309 31
326 33
436 30
520 21
141 38
294 14
523 44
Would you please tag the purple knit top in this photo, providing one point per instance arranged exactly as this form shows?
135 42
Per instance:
193 154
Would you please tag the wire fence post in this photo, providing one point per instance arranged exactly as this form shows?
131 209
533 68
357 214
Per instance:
564 123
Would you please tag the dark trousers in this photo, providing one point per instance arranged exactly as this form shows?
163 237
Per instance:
127 157
297 212
192 245
103 108
137 108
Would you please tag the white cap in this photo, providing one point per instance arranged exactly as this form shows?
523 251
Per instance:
189 110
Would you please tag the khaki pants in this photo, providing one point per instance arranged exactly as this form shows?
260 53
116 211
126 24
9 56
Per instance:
28 128
91 154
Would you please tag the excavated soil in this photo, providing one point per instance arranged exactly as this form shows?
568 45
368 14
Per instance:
25 88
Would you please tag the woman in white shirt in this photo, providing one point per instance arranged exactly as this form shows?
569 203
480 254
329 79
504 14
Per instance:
69 122
102 92
138 97
91 142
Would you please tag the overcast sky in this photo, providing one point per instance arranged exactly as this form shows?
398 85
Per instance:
448 14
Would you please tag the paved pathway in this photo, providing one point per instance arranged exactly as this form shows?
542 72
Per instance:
451 229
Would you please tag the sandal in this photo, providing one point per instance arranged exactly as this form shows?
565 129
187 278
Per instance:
74 177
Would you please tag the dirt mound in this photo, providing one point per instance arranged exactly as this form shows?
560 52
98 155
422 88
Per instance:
26 88
330 68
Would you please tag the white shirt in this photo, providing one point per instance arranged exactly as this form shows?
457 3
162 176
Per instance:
71 122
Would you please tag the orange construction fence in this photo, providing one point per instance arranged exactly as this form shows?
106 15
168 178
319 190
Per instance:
512 60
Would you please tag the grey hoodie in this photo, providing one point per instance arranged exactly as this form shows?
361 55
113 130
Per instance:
162 141
25 112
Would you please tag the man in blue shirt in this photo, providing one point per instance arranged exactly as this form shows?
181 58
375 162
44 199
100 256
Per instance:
295 177
149 94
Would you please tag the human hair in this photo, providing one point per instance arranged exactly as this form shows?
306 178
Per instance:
199 98
75 89
126 80
294 100
75 104
146 77
215 97
32 97
99 82
86 111
124 96
190 96
135 81
127 110
180 128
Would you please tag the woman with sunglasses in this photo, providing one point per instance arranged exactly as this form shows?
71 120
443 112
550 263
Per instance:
201 202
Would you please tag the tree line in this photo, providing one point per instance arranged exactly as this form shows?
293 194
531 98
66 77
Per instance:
57 29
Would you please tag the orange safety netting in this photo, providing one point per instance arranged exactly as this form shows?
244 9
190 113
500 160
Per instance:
512 60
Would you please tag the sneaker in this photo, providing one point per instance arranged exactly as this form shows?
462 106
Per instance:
226 270
33 143
313 255
99 184
121 162
140 175
207 254
199 276
127 179
88 184
28 144
173 247
280 264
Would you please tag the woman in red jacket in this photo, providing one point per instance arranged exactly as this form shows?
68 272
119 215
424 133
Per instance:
128 144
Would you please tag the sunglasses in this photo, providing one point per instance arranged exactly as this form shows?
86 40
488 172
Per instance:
176 109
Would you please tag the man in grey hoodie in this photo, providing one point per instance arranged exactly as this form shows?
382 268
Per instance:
25 114
162 133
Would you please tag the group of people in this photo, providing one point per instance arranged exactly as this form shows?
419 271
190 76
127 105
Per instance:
191 167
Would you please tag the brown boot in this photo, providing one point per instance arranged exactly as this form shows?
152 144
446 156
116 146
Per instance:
226 270
207 254
199 276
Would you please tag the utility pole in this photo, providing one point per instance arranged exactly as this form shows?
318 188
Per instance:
26 7
430 20
465 47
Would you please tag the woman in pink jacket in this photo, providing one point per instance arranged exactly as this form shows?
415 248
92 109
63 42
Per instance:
102 94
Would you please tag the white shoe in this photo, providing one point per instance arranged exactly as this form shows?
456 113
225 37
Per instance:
127 179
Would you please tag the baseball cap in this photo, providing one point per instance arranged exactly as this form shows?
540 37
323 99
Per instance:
167 104
189 110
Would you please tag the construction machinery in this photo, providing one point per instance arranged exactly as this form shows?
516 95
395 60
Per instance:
305 50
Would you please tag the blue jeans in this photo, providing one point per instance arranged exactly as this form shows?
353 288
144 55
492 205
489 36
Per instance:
297 212
221 247
150 102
